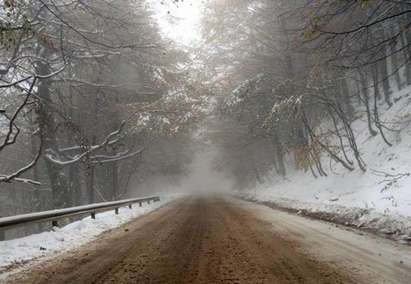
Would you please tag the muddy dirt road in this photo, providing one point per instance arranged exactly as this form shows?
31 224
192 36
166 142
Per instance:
224 240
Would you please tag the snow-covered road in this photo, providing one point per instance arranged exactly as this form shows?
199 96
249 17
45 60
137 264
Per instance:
368 258
226 240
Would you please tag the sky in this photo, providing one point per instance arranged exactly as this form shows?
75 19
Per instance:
179 21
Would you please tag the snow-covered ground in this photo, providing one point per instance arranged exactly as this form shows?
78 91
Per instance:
22 250
379 199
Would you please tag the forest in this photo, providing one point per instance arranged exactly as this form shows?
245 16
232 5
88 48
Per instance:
99 101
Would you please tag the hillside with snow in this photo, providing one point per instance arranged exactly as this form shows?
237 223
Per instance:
378 199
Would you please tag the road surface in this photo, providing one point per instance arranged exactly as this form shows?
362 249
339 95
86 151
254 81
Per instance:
225 240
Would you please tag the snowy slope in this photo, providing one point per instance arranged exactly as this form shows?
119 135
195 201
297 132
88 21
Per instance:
73 235
380 195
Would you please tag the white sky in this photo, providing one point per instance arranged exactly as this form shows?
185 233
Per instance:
179 21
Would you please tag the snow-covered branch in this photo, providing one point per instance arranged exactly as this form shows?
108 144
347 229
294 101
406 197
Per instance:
111 139
118 157
16 175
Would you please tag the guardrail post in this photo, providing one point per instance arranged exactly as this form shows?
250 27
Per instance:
140 204
93 215
116 211
2 235
130 206
148 201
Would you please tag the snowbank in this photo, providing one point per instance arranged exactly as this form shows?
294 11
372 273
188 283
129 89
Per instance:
379 199
18 251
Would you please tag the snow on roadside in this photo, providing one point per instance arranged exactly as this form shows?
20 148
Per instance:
379 199
393 226
22 250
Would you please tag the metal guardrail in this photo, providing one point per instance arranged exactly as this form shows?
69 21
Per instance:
55 215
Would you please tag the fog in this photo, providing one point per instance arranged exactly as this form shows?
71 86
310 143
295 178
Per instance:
204 177
106 100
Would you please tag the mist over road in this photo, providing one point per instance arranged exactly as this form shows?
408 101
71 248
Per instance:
224 240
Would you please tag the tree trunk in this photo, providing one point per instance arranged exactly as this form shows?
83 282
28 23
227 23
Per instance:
35 169
75 185
58 179
366 102
406 42
90 183
385 81
279 155
115 192
346 99
394 62
376 114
